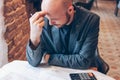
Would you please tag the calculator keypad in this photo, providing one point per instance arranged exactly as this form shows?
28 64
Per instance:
82 76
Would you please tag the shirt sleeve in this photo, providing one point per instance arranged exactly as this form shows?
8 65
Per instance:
85 56
34 54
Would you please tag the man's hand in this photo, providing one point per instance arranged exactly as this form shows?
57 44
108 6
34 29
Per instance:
36 25
94 68
46 58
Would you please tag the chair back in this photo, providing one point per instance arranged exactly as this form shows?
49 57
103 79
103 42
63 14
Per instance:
101 64
88 5
117 7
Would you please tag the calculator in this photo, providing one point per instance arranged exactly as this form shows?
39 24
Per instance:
83 76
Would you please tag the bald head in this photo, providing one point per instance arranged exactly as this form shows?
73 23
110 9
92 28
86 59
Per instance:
52 4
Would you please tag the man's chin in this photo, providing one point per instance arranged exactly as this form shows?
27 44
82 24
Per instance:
57 26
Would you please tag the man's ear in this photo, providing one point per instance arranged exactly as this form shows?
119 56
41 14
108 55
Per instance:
70 9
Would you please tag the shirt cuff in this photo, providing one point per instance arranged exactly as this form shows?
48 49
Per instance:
32 46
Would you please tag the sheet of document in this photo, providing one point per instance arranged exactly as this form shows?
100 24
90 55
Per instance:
21 70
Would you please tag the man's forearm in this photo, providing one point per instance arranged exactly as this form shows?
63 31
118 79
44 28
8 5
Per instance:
35 42
75 61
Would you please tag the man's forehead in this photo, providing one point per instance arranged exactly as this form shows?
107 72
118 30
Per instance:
50 6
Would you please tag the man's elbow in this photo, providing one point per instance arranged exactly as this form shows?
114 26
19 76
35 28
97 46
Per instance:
32 63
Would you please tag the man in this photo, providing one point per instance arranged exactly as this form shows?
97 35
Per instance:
63 35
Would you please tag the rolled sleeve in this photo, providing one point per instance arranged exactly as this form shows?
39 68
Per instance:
34 56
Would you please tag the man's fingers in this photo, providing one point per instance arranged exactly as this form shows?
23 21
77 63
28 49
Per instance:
41 24
37 15
39 20
41 13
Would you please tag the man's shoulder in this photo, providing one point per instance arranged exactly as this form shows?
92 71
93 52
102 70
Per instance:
86 13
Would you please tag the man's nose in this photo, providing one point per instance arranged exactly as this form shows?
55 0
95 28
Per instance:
51 22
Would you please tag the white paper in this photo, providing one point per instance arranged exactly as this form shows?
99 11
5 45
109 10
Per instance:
21 70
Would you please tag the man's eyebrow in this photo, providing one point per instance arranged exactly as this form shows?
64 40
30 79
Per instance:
51 17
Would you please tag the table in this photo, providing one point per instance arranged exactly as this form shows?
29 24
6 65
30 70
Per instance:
22 70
